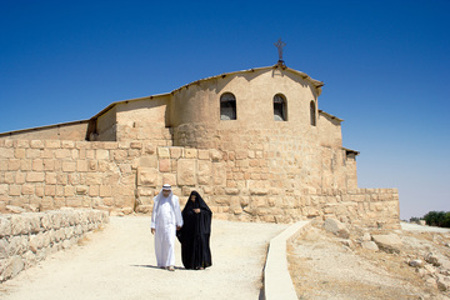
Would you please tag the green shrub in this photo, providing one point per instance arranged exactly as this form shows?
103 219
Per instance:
438 218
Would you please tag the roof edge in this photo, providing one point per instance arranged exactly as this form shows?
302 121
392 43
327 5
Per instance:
2 134
350 151
330 116
110 106
316 83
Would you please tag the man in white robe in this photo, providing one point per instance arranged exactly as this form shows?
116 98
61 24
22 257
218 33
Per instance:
166 220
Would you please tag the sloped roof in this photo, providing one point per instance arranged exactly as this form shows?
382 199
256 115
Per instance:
315 83
19 131
330 116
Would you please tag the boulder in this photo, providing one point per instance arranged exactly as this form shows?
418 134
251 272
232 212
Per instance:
432 282
317 221
416 263
430 269
369 245
348 243
443 282
367 237
422 272
390 243
432 259
336 227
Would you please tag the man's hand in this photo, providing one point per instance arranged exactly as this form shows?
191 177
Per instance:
153 230
178 227
197 210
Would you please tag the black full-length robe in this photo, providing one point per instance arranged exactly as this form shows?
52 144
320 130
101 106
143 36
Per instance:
195 233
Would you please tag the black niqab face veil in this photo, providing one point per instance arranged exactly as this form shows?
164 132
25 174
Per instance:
195 233
199 203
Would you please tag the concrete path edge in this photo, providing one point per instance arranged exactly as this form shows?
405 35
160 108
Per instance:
277 280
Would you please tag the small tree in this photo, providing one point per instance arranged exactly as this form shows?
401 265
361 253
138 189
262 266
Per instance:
438 218
414 220
446 221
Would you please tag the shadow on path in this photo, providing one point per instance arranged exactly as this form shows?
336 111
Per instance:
156 267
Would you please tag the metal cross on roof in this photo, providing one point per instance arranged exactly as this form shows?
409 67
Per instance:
280 44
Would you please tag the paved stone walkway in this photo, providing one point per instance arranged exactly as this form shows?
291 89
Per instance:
119 263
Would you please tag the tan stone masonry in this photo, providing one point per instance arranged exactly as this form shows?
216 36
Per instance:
247 185
26 239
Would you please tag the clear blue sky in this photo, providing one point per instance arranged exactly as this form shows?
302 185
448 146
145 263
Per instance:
385 65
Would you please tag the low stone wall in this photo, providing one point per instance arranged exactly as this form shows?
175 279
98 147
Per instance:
370 208
28 238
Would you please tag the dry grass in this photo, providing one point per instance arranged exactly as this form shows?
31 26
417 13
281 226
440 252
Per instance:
86 237
83 241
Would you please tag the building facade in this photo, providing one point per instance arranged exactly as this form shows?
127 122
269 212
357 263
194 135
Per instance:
253 142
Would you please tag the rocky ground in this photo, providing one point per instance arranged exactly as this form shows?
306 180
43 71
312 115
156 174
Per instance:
331 261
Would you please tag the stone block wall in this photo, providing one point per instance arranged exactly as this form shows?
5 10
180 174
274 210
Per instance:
371 208
269 183
50 174
28 238
298 156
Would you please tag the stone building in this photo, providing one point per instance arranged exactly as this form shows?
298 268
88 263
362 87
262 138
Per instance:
253 142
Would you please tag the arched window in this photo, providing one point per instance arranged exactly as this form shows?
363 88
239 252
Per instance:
312 110
227 107
279 108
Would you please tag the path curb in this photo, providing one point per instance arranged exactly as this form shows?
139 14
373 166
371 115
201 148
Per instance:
277 280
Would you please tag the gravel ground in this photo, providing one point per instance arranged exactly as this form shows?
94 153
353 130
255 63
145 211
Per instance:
119 263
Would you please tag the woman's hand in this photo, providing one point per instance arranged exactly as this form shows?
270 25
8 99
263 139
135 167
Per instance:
197 210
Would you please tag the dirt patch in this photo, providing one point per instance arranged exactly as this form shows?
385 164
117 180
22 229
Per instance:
324 266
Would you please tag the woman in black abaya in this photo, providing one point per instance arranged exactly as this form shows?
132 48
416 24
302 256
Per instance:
195 233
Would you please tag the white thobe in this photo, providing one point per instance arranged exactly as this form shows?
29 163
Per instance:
166 216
